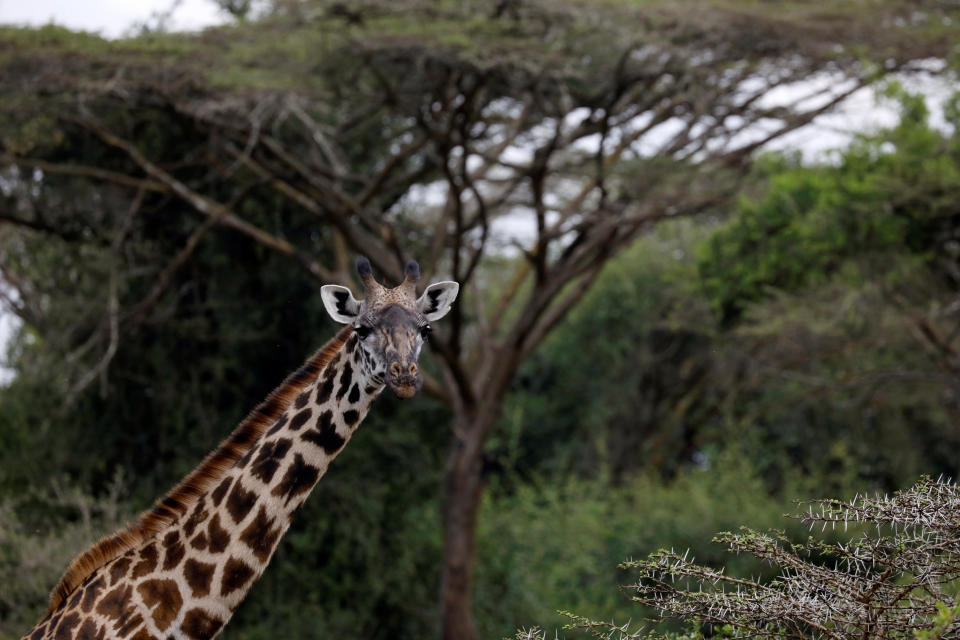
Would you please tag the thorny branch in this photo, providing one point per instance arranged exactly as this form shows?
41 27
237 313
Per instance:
896 559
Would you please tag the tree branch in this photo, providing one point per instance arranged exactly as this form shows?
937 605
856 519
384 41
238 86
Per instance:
219 213
83 171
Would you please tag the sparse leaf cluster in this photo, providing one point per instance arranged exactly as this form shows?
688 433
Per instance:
894 577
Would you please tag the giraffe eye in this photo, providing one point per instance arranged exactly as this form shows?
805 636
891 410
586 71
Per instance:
363 331
425 330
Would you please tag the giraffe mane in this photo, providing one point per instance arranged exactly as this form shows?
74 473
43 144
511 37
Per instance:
182 497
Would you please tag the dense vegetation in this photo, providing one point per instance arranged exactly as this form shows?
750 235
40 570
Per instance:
785 331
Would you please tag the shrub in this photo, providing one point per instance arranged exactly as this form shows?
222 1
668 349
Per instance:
36 546
894 576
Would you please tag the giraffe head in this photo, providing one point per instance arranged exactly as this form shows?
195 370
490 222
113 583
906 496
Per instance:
391 324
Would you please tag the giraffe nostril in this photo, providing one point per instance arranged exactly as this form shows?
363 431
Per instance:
395 368
413 368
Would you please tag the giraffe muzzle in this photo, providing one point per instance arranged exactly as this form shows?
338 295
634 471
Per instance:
404 378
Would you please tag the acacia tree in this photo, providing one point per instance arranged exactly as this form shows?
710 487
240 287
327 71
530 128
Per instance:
512 146
891 574
894 579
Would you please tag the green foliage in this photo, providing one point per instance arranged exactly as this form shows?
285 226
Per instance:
39 532
834 284
817 373
555 545
890 191
642 326
942 621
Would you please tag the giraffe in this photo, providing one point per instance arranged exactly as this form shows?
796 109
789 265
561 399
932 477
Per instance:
182 569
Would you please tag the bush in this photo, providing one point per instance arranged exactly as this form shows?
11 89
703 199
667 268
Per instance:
549 546
36 546
894 575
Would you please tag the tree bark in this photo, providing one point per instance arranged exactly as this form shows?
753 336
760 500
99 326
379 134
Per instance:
474 419
462 492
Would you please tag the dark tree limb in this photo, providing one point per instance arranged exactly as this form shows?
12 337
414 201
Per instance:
220 214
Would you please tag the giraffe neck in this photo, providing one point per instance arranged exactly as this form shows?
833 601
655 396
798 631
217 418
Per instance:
187 579
232 532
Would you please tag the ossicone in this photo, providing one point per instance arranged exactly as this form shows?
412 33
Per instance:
370 284
412 271
363 267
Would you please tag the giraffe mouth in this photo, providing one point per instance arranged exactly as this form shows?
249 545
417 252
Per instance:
405 386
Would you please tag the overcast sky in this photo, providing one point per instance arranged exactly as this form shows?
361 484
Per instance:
110 18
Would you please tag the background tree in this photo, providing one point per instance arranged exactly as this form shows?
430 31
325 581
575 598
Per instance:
460 133
836 355
814 326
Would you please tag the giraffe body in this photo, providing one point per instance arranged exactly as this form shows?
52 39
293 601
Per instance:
183 570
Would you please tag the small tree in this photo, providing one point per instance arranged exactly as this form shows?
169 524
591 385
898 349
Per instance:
896 578
896 574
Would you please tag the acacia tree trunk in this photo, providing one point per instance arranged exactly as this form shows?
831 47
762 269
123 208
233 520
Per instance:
462 492
476 411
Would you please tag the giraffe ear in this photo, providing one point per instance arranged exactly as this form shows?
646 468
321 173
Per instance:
340 303
436 299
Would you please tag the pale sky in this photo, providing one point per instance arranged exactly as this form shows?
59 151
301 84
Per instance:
109 18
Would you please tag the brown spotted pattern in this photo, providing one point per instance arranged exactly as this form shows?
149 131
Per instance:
162 596
200 624
199 576
186 580
236 575
198 482
240 502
